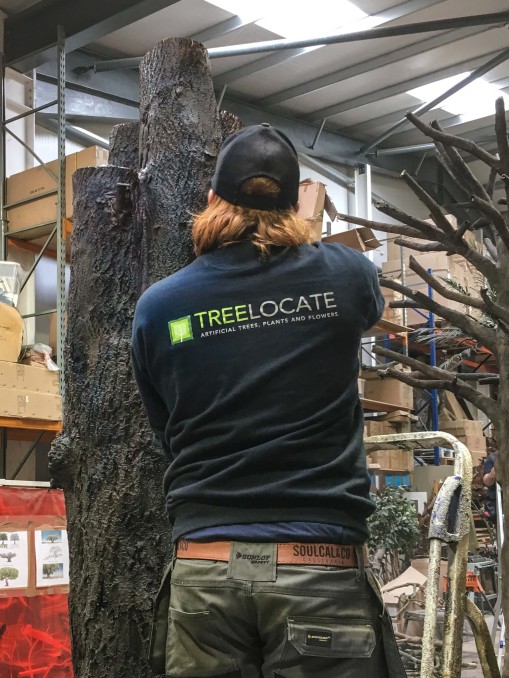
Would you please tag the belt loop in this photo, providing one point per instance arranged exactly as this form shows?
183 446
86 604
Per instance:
361 570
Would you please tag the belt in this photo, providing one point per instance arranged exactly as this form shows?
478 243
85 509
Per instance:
293 553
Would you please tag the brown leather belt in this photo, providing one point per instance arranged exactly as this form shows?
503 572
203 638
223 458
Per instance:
294 553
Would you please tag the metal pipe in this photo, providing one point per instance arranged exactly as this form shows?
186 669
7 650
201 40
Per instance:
39 313
117 64
318 134
221 96
31 111
27 455
38 258
350 36
74 133
399 150
354 36
482 70
433 363
32 152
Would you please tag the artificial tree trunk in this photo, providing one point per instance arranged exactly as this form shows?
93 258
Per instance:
131 228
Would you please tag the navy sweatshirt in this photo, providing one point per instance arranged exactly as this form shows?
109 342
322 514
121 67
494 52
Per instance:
248 369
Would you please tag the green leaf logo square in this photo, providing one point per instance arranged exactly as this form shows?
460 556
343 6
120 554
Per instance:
181 330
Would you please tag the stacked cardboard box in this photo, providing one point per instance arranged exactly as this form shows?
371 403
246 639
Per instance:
393 460
470 433
388 390
390 423
29 392
32 196
11 332
454 268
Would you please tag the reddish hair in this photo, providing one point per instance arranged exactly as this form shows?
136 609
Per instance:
221 223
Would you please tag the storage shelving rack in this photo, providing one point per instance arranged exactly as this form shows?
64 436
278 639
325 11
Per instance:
28 428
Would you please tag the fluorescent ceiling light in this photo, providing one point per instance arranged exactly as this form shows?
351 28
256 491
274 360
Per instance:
296 19
476 100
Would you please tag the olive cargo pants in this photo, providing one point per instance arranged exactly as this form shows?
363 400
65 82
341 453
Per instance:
302 621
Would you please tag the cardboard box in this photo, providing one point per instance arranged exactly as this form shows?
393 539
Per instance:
24 377
37 183
16 402
393 460
361 383
393 315
362 239
391 423
311 205
11 333
388 390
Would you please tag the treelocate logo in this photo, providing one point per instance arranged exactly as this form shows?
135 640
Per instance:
253 316
181 330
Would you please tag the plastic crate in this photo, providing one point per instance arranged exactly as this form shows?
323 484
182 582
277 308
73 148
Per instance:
10 282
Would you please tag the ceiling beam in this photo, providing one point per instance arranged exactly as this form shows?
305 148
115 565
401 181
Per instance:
372 64
398 88
401 10
234 23
31 35
330 147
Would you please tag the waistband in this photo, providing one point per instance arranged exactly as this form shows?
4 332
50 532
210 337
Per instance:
292 553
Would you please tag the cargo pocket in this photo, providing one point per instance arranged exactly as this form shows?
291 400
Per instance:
393 659
159 633
314 645
195 646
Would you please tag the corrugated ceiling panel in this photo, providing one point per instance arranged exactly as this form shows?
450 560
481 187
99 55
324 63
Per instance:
424 66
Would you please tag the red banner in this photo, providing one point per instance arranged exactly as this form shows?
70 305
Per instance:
34 617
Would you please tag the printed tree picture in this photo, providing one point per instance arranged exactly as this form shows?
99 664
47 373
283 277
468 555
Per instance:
50 570
8 574
15 538
3 539
9 555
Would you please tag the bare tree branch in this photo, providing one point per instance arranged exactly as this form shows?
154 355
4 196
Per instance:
484 403
457 142
492 250
495 216
425 229
434 208
446 292
414 381
494 309
420 246
398 229
461 168
471 327
490 186
482 263
501 133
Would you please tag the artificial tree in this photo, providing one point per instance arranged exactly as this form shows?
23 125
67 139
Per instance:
489 326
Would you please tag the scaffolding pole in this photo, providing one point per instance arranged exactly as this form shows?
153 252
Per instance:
433 363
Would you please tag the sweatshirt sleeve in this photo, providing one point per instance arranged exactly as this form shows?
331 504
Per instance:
153 404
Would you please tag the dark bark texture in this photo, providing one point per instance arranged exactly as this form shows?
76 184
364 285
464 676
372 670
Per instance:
130 229
124 145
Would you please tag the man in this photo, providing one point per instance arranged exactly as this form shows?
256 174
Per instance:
490 482
247 365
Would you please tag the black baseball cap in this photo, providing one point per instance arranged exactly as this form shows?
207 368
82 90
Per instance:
257 151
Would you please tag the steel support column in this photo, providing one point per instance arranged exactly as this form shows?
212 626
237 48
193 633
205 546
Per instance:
61 231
